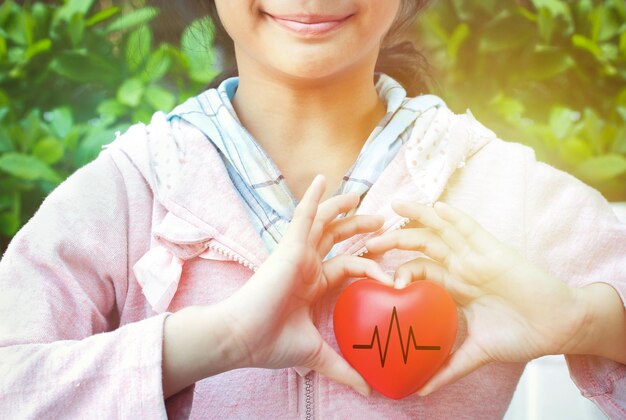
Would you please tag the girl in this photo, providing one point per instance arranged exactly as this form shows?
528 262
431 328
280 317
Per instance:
196 249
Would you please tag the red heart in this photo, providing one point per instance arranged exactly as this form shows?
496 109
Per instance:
395 338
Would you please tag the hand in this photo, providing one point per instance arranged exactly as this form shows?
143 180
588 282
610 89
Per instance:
515 311
271 316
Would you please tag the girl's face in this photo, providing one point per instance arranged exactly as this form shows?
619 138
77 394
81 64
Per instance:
307 39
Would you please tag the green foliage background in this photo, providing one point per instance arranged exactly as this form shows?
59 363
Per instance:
548 73
73 73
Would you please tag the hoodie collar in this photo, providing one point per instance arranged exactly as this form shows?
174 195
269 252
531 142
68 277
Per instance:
189 179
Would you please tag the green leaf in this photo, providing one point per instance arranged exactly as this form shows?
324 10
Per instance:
620 7
602 168
159 98
142 115
546 23
76 29
6 144
196 45
3 49
112 108
459 35
41 15
4 111
135 18
7 8
138 47
554 7
27 167
92 144
619 145
102 15
9 224
548 64
586 44
71 140
71 8
6 101
32 128
81 67
38 47
20 28
511 109
158 65
575 150
16 55
505 33
562 121
130 92
604 24
49 150
608 52
61 121
594 128
434 27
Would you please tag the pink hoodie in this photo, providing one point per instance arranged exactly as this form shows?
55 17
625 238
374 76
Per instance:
154 224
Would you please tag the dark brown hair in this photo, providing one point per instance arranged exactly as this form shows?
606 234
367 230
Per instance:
398 56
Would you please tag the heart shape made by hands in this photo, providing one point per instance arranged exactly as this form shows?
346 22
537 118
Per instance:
395 338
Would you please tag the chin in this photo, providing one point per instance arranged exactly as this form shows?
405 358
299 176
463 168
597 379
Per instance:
316 72
317 67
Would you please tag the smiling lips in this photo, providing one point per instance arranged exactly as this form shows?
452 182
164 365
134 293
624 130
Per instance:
310 24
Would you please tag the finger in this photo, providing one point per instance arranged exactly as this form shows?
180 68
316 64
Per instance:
426 269
331 365
427 216
306 210
329 210
342 229
416 239
341 267
419 269
463 223
462 362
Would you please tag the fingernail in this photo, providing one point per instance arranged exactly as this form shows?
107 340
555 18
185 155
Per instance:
423 392
365 391
426 390
401 281
387 278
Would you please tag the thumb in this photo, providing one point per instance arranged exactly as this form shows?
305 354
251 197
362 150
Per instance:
333 366
466 359
341 267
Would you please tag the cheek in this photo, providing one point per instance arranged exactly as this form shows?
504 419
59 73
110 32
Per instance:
238 17
382 15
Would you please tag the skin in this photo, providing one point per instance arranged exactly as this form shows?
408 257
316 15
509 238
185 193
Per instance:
515 311
291 102
264 317
299 97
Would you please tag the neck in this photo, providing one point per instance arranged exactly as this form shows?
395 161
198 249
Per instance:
291 115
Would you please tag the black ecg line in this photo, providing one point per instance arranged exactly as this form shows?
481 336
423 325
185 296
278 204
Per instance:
405 351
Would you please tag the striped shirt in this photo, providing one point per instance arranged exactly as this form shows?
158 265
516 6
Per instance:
262 187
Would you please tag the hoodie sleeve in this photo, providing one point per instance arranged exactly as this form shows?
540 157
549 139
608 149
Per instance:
62 280
572 231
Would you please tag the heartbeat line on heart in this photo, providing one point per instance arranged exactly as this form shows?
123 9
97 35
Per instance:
405 350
